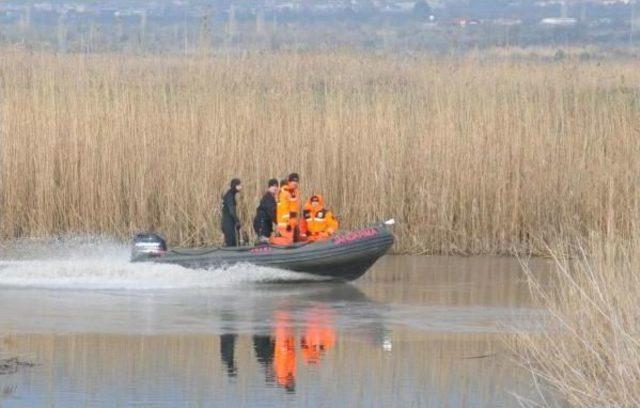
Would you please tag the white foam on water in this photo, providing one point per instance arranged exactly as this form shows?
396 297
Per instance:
99 263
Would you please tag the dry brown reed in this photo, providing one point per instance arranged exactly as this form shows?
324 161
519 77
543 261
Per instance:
469 156
590 353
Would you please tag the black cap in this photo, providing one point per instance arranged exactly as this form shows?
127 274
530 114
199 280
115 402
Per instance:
235 182
294 177
272 182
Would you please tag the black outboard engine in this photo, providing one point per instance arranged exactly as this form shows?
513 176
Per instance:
148 246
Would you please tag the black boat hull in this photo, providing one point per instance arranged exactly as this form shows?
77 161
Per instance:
344 257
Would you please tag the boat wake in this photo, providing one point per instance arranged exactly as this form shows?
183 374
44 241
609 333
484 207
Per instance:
102 263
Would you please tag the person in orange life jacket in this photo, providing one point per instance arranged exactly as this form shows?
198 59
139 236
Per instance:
290 225
321 223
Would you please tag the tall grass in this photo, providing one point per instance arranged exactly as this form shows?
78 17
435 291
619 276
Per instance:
470 156
591 353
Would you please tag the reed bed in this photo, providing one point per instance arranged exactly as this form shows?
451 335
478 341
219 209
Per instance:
469 156
590 353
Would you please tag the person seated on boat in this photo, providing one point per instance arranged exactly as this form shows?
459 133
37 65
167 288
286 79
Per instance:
321 223
266 212
230 220
290 226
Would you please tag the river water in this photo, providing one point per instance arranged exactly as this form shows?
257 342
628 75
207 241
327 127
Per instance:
414 331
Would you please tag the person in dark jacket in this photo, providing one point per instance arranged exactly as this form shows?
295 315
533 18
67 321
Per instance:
230 220
266 212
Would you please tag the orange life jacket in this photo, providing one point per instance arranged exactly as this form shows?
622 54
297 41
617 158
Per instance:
288 207
320 221
290 226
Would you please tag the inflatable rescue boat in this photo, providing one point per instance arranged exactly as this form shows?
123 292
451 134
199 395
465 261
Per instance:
346 256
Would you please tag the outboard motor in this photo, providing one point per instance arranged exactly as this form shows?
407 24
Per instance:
148 245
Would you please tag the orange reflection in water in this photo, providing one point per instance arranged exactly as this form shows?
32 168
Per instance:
318 336
284 359
280 351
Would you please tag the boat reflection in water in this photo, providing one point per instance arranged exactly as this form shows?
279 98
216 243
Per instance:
278 353
296 336
284 355
227 353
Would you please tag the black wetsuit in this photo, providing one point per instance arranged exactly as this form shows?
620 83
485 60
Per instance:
265 215
230 220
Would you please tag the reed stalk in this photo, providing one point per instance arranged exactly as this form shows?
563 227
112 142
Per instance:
589 353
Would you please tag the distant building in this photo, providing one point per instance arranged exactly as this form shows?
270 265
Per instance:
507 22
559 22
288 6
43 7
462 22
601 22
398 7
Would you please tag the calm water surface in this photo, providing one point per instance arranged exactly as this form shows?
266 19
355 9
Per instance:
415 331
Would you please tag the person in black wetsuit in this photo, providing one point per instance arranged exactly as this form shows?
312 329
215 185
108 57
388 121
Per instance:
230 221
266 213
